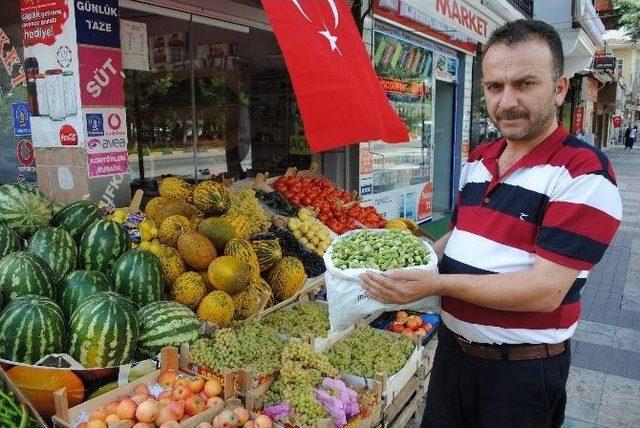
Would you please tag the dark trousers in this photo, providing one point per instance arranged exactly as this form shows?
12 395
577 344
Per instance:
465 391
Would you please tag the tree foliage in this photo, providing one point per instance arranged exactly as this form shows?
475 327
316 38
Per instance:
629 17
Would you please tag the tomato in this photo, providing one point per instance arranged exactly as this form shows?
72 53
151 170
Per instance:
288 194
295 199
306 200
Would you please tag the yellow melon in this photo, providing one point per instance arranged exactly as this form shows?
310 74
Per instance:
216 307
229 274
189 289
172 227
196 250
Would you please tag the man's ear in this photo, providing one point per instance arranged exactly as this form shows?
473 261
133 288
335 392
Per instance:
561 89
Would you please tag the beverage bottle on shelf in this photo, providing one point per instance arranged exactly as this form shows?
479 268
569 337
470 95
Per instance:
31 71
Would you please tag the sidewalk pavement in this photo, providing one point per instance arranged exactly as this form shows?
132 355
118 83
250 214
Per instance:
604 381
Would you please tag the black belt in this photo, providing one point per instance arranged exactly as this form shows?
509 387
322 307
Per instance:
510 352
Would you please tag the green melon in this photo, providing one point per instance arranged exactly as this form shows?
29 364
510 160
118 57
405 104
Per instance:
76 217
101 245
218 230
166 324
24 208
80 284
56 247
138 275
9 241
31 327
103 331
23 273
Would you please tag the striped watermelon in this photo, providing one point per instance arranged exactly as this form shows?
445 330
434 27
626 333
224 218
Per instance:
80 284
31 327
76 217
104 330
24 208
138 275
101 245
56 247
23 273
166 324
9 241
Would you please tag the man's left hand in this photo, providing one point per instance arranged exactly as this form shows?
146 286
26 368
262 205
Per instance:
400 286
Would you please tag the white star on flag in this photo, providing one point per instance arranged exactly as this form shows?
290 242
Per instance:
331 39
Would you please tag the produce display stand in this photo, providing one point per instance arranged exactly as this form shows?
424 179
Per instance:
66 417
25 404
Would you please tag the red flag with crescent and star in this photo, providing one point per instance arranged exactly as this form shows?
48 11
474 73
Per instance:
338 92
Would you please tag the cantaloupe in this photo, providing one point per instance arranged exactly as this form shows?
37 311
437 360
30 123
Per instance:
229 274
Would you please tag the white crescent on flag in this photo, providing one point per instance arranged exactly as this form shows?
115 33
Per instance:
297 3
326 33
334 10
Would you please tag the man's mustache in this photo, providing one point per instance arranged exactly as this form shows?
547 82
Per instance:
512 114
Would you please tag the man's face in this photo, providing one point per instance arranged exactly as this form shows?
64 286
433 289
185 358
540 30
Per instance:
520 90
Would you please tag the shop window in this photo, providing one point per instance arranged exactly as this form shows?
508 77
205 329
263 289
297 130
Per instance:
236 117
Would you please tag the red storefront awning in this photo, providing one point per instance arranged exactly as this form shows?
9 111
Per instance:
338 92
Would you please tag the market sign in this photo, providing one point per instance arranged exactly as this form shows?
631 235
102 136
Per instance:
461 15
604 63
337 90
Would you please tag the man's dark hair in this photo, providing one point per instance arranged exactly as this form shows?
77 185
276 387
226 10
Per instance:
524 30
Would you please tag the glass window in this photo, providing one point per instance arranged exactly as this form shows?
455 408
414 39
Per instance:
236 117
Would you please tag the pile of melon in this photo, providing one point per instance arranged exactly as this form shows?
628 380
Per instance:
208 258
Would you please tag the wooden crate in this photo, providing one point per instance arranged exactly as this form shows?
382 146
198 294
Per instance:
66 417
25 404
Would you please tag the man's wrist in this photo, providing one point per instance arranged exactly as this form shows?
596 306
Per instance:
439 284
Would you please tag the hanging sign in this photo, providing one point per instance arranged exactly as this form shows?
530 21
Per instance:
97 22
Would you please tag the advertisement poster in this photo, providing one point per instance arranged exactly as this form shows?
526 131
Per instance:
446 68
97 22
51 70
17 160
106 141
134 45
101 76
395 178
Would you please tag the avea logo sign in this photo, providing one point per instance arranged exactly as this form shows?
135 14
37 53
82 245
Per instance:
107 143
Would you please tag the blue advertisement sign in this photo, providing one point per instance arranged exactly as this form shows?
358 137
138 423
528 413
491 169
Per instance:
97 22
21 119
95 125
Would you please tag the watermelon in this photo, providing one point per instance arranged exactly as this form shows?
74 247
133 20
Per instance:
23 273
103 330
56 247
166 324
138 275
9 241
76 217
31 327
101 245
80 284
24 208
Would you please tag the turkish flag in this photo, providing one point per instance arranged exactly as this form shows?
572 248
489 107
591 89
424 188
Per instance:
338 93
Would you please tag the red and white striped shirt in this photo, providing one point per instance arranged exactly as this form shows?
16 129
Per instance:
559 202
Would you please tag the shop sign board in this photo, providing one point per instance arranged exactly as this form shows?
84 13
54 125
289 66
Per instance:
107 164
461 15
446 68
134 45
21 120
51 71
604 63
617 121
101 76
97 22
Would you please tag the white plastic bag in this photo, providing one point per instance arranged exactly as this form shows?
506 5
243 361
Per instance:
349 302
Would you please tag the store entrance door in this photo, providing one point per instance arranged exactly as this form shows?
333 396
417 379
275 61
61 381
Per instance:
443 146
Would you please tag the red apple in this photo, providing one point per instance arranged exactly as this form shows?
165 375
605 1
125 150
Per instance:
148 411
98 413
167 378
214 403
181 392
193 405
177 407
127 409
166 415
402 316
196 385
396 327
213 388
112 407
413 322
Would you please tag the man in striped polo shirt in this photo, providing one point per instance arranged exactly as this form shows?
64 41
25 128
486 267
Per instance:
536 210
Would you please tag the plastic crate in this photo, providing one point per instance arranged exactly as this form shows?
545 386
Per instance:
386 319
